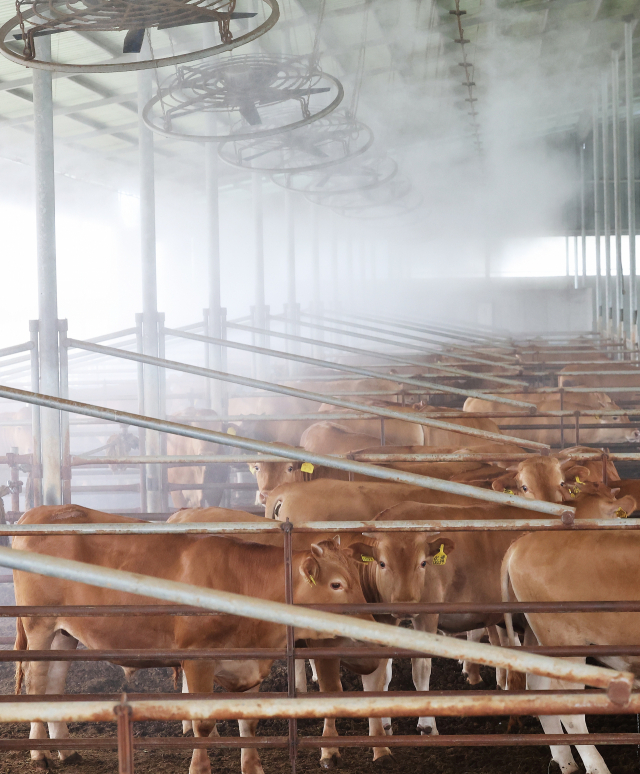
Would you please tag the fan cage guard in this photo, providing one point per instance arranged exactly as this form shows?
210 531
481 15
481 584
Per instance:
395 209
363 168
122 25
342 129
313 80
364 198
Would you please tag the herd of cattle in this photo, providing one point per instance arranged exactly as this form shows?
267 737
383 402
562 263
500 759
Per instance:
480 567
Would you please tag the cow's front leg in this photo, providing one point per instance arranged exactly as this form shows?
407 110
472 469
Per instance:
199 676
328 671
421 670
470 670
379 681
56 681
250 759
496 639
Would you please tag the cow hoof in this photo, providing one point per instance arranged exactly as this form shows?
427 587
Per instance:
384 762
72 760
387 727
44 764
425 730
334 762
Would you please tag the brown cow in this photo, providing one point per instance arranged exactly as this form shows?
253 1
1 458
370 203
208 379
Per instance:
557 566
573 376
179 446
320 575
397 432
598 401
471 576
436 437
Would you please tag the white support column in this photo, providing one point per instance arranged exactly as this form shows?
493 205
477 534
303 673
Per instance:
631 183
291 309
259 311
606 206
576 269
597 214
47 275
214 320
618 326
149 283
583 217
335 273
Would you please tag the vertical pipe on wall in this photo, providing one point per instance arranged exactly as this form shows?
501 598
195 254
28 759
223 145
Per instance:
47 274
335 274
631 182
597 213
149 282
583 218
576 269
259 311
36 464
618 327
291 307
606 207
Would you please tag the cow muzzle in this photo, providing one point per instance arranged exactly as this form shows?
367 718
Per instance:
262 496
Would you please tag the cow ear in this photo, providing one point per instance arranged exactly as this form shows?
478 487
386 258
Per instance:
309 569
504 482
317 550
622 507
336 540
362 552
434 546
575 472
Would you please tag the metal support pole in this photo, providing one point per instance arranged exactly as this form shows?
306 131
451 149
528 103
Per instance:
597 213
259 314
36 458
316 287
618 328
125 737
566 256
631 185
63 327
583 228
214 320
149 282
142 433
608 296
292 310
287 528
576 271
47 274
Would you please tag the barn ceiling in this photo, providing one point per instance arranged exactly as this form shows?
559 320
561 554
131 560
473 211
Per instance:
542 59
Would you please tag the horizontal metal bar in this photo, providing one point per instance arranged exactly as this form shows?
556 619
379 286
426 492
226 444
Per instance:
320 363
314 706
289 452
374 608
365 352
620 683
28 345
313 527
272 387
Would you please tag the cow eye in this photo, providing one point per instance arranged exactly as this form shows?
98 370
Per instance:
383 565
335 586
562 483
524 488
290 468
423 563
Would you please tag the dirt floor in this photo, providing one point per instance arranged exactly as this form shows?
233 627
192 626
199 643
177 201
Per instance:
106 678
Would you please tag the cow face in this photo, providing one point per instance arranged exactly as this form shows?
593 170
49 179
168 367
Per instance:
540 478
269 475
397 564
329 576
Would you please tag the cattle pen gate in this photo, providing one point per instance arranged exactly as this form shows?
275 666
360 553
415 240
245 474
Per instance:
385 641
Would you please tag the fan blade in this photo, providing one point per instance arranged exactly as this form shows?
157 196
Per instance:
133 42
249 112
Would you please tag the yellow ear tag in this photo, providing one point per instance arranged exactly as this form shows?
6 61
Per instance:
231 431
508 491
598 418
621 513
367 558
578 480
440 557
311 580
306 467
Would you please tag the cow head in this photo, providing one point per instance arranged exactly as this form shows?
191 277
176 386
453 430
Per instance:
326 575
540 478
397 565
597 501
269 475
